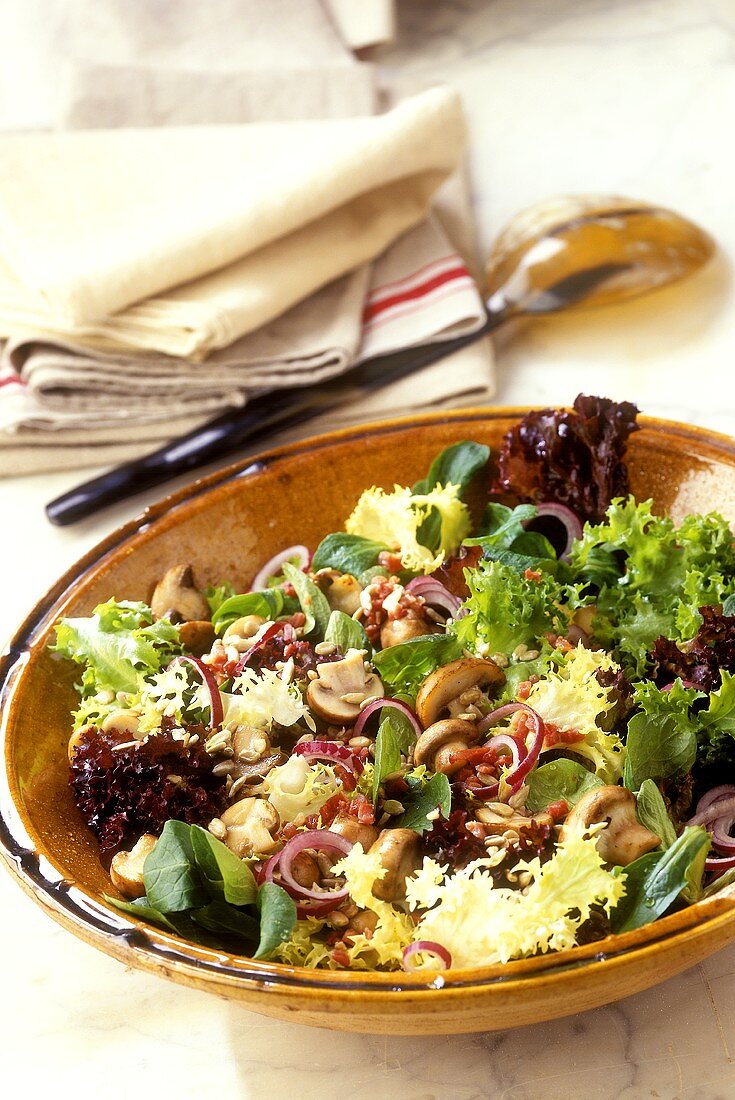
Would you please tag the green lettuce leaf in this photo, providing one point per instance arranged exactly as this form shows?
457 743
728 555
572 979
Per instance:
405 666
346 553
422 800
662 735
455 465
651 812
559 779
655 881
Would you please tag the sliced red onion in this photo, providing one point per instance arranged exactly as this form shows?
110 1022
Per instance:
505 741
566 517
577 636
721 839
684 683
514 778
435 594
321 840
425 947
272 568
378 704
216 713
304 908
719 864
720 808
331 751
725 790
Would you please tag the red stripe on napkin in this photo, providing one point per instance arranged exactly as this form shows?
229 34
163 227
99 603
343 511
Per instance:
426 286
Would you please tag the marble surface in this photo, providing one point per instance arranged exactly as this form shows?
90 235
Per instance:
633 97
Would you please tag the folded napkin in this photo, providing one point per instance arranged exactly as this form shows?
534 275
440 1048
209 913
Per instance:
295 205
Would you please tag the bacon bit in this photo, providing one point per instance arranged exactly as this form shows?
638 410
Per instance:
357 806
297 619
532 575
289 830
340 956
559 642
557 736
473 757
524 688
390 561
559 809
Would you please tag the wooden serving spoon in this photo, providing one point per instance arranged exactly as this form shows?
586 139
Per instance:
564 253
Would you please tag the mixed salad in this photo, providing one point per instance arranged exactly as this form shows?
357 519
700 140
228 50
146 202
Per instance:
493 717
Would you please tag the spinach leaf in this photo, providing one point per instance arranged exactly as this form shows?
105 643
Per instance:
500 526
559 779
662 738
277 918
218 916
346 633
172 881
455 465
314 603
651 811
436 794
395 736
346 553
268 604
654 882
141 908
405 666
225 876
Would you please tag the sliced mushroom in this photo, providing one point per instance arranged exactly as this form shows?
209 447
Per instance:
340 688
624 839
250 824
177 598
126 869
438 744
249 744
452 680
75 741
243 629
348 826
395 631
399 851
341 589
197 636
125 721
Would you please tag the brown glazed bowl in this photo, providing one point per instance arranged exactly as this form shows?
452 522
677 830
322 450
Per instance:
227 525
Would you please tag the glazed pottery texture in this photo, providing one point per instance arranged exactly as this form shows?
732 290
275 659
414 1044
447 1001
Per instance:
227 525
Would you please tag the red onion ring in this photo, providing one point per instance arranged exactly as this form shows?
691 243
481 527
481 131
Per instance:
429 947
304 908
272 568
505 741
216 712
725 790
378 704
435 594
718 865
514 778
720 808
566 517
331 751
721 838
322 840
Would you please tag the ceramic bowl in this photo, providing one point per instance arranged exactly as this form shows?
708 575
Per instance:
226 525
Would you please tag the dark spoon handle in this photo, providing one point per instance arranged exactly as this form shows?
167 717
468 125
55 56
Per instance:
271 411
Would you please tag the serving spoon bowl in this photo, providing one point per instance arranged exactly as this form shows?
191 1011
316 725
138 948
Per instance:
566 253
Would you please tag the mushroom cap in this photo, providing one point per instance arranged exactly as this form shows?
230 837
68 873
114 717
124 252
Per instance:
450 681
395 631
250 824
329 696
455 731
177 597
624 839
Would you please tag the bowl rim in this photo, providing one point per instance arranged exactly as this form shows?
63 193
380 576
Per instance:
142 944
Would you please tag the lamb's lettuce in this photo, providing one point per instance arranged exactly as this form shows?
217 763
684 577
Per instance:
654 881
651 812
346 633
456 465
405 666
347 553
268 604
313 602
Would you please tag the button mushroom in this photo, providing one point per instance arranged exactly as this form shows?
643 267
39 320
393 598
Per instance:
126 869
624 839
250 824
177 598
348 826
438 744
340 688
399 851
197 636
124 721
452 680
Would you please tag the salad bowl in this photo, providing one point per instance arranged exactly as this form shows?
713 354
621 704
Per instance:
226 525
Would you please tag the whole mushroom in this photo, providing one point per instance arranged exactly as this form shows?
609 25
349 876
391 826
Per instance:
395 631
438 744
400 854
624 839
177 598
450 681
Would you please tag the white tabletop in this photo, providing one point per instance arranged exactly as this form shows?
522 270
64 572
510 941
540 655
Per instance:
577 95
